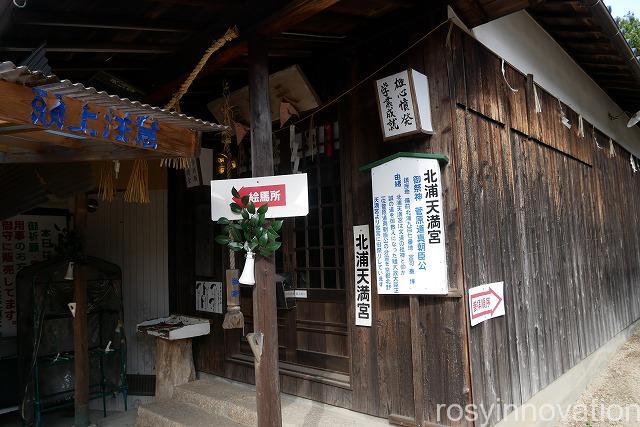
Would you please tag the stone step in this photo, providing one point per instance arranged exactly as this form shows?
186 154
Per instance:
233 401
236 402
174 413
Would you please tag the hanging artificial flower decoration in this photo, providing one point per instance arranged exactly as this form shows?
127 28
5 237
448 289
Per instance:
250 234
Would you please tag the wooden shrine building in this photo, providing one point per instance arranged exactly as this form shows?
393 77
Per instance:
529 103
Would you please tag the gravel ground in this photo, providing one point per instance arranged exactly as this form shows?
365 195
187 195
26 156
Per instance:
613 398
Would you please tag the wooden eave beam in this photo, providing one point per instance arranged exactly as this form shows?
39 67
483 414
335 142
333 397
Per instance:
9 46
478 12
292 14
109 22
41 152
15 108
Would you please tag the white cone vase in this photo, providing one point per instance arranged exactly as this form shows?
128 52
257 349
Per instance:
69 274
247 277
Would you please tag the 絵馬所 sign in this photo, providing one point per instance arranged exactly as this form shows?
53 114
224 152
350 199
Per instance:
286 195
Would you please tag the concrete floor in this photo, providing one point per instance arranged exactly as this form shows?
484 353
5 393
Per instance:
64 418
610 375
613 397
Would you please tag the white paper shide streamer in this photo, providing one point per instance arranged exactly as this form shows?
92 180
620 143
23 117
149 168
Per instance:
504 76
293 143
634 167
536 99
580 127
595 138
563 117
612 149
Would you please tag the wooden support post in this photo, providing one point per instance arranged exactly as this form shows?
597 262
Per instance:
265 319
174 366
416 358
80 337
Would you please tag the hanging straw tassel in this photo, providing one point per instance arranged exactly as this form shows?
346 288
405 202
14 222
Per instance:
107 184
176 162
233 318
138 186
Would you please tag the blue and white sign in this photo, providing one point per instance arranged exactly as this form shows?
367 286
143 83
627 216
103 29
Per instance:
409 227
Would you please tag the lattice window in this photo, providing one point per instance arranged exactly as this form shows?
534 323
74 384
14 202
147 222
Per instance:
317 238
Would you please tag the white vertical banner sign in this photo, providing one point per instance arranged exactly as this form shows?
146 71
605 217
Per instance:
362 271
404 104
25 239
409 227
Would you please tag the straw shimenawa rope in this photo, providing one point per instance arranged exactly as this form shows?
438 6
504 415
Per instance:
231 34
233 318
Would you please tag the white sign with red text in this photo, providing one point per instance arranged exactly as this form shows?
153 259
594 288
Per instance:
486 302
286 195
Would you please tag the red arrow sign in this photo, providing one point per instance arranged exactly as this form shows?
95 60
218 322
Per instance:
274 195
484 303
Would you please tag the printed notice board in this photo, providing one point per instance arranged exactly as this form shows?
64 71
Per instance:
25 240
408 227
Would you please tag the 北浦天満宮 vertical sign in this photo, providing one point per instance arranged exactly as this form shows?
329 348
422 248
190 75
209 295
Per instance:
362 271
409 226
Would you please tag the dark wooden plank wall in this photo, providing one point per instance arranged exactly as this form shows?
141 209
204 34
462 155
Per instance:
550 214
386 379
380 365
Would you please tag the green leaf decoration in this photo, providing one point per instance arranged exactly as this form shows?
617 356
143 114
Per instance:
274 246
276 225
263 239
236 246
265 252
237 236
222 240
249 233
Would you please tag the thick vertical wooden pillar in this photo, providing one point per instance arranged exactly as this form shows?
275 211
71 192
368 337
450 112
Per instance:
265 318
80 337
416 359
